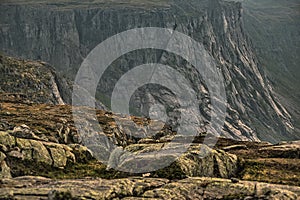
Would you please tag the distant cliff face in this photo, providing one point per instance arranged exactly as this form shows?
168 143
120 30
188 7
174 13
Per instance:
63 34
274 28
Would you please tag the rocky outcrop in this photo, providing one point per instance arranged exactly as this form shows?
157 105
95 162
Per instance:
63 34
140 188
51 130
55 123
36 152
50 138
32 82
216 164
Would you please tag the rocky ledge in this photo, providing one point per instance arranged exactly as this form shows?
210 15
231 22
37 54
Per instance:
24 153
142 188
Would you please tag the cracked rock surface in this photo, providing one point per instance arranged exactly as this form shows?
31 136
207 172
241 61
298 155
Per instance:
139 188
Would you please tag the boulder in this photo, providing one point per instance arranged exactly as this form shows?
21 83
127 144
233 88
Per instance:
34 151
216 163
61 154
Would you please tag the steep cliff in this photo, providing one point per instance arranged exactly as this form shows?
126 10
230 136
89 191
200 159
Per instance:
63 32
274 28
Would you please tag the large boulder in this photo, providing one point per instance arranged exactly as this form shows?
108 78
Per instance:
34 151
61 154
216 163
25 154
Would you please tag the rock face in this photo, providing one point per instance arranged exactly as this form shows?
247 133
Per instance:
277 45
63 34
216 164
16 150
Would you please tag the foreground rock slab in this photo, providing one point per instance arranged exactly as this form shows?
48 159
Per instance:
30 187
216 163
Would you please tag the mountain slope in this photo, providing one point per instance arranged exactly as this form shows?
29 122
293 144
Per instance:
274 28
34 82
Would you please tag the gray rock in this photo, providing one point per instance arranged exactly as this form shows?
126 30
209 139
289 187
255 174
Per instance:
216 164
